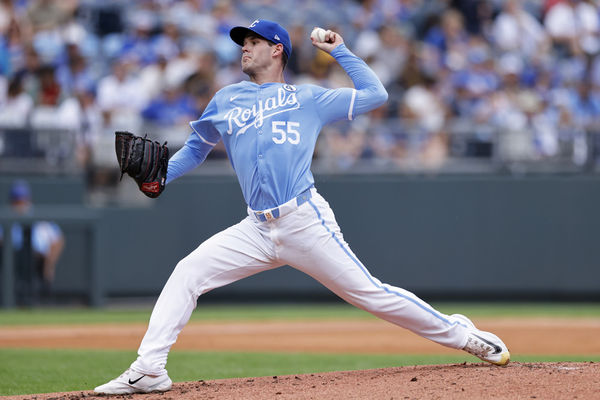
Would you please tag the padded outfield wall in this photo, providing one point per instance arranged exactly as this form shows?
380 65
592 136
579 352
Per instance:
444 237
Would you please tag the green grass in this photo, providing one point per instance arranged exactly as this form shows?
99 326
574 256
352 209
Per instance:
287 312
203 313
27 371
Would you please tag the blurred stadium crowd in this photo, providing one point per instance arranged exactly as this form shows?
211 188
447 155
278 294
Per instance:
495 80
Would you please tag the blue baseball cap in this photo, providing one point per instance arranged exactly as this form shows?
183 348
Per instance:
20 190
268 30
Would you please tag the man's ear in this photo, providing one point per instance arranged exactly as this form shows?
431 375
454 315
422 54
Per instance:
277 49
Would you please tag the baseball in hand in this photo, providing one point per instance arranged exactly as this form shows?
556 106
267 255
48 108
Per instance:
318 34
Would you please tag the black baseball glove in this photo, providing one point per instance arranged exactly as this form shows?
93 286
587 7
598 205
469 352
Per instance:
144 160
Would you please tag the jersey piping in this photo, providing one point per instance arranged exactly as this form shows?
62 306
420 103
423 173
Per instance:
351 108
202 138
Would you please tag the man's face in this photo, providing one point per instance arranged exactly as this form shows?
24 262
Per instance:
21 206
256 54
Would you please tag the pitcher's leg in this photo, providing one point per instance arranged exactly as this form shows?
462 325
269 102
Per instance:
396 305
226 257
330 261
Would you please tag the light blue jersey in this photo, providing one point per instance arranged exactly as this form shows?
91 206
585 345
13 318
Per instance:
270 130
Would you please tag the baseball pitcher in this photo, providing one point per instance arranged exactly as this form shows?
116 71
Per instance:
269 129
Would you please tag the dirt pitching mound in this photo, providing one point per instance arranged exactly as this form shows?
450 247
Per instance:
457 381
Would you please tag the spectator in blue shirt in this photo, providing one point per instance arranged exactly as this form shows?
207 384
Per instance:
35 270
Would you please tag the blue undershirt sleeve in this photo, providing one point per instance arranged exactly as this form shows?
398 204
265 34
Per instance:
192 154
370 92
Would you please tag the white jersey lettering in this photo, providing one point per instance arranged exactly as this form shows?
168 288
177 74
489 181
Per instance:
244 118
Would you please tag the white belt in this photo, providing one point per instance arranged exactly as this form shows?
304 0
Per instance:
285 208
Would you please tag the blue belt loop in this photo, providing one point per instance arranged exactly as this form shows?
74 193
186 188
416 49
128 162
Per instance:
304 196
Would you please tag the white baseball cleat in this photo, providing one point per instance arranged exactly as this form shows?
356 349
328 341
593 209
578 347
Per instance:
484 345
134 382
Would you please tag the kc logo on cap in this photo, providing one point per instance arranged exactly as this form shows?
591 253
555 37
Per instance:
268 30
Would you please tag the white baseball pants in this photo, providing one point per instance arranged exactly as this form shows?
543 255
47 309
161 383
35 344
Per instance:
308 239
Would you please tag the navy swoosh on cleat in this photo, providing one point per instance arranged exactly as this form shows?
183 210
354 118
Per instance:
497 349
136 381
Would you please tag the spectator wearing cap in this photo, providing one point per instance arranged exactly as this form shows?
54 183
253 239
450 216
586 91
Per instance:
37 248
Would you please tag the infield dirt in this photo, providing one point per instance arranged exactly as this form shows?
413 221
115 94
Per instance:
545 336
455 381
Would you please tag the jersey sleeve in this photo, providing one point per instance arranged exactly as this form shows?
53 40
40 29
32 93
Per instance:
204 126
192 154
199 143
368 92
333 104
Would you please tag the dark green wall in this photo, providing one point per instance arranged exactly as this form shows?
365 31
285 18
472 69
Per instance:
480 234
441 237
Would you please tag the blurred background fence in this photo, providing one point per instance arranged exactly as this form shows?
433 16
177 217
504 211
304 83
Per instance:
446 237
471 148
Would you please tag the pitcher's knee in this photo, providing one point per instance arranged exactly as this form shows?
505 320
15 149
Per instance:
183 267
186 275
